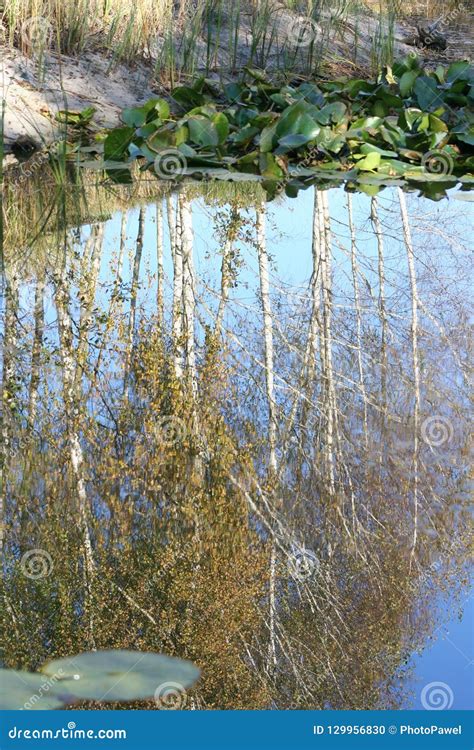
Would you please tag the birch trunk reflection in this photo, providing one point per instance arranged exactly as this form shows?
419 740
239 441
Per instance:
263 265
72 419
358 314
415 356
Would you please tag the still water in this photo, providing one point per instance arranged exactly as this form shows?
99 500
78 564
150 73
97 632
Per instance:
237 432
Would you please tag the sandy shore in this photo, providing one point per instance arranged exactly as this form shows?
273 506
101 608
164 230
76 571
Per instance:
34 93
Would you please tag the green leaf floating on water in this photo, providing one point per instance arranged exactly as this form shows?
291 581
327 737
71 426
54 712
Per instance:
371 162
28 690
202 131
221 125
187 96
122 675
460 71
427 92
289 142
334 112
407 82
117 142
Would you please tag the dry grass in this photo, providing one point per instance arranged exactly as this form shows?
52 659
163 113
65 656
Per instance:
180 34
184 36
121 26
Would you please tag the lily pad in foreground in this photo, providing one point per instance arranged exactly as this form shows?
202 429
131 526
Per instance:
119 675
27 690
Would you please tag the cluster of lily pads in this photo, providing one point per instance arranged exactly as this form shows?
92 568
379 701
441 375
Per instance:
409 124
105 676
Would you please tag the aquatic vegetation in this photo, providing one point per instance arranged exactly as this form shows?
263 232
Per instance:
104 676
410 123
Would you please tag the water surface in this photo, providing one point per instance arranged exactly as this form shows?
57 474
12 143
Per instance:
237 432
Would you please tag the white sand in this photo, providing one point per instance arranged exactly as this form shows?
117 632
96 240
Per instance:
34 93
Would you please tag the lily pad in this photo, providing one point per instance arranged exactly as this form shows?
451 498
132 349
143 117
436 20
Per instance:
28 691
137 116
289 142
120 675
203 132
221 125
187 96
117 142
427 93
370 162
407 81
334 112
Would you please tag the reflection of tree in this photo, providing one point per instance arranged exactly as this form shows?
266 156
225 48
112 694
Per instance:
238 472
73 361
